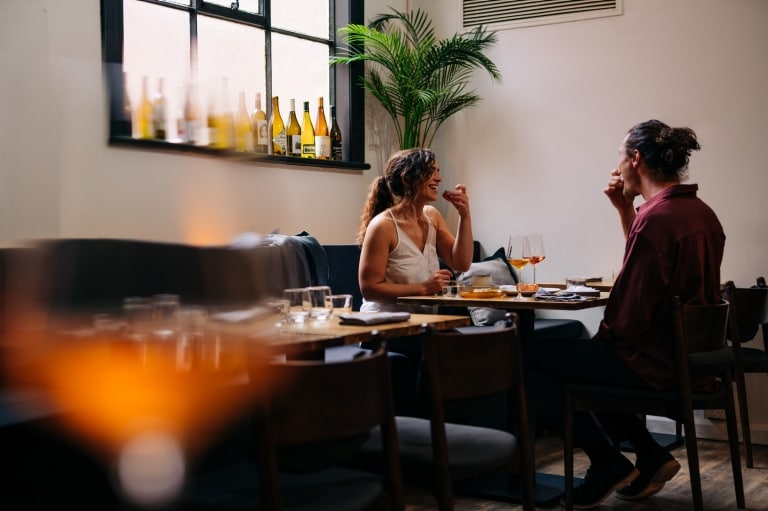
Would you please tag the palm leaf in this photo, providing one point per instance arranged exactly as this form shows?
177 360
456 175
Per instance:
419 81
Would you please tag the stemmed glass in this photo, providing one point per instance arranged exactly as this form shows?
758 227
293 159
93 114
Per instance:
518 255
537 251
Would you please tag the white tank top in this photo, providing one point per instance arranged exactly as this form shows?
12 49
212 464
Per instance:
407 265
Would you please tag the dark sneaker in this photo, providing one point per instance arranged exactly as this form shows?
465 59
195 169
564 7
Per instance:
601 481
654 473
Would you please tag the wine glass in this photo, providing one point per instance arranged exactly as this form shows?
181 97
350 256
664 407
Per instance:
537 251
518 255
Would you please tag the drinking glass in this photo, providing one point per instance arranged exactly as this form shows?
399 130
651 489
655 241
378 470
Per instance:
298 304
519 255
341 304
137 311
165 315
319 304
537 251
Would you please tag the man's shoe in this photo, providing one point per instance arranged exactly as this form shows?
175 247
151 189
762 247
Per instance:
601 481
654 473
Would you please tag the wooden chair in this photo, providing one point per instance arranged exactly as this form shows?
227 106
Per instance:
315 417
747 315
458 369
700 350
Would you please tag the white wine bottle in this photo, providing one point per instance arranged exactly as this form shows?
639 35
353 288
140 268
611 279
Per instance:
307 134
243 133
259 127
336 147
293 131
158 112
146 126
277 129
191 116
322 138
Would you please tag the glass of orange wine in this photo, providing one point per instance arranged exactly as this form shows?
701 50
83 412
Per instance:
537 251
518 255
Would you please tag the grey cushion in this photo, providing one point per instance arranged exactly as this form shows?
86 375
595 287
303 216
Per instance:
471 449
502 274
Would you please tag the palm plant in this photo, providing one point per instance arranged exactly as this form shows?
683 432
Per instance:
420 81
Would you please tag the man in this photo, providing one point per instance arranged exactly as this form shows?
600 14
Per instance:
674 247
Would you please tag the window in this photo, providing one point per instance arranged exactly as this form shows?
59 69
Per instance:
214 50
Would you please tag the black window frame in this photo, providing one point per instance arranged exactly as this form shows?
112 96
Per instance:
347 95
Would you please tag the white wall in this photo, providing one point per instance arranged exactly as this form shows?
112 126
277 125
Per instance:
535 153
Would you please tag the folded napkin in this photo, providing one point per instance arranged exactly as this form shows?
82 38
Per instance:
559 296
373 318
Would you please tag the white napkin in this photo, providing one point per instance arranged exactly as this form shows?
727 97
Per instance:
373 318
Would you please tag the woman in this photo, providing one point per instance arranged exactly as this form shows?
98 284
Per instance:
402 236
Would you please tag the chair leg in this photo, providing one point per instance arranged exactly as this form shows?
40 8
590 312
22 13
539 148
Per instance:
692 451
746 435
568 448
733 442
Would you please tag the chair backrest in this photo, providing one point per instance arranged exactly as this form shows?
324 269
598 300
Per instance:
328 408
749 306
700 331
461 365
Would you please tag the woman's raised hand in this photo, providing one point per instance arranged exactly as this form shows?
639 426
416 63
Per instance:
459 199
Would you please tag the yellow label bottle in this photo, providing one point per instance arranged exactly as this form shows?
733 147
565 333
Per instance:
259 127
293 131
322 136
146 126
277 129
307 134
243 135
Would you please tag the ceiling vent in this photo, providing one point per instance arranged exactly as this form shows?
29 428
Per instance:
501 14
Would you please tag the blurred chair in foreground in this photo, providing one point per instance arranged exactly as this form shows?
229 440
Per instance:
700 345
747 316
315 417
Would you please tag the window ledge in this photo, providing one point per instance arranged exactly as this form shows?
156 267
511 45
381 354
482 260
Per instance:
172 147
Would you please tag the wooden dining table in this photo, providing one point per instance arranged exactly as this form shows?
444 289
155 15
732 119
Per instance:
525 307
313 336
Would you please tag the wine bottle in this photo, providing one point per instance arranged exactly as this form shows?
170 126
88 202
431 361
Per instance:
307 134
191 116
243 133
277 129
336 147
220 120
322 138
125 122
293 131
158 112
259 127
146 126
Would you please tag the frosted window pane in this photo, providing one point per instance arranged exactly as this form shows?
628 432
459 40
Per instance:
232 51
303 16
300 70
157 46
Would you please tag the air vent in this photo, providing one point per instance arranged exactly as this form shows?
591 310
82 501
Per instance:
499 14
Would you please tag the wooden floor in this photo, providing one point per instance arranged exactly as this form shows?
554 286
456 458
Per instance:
717 483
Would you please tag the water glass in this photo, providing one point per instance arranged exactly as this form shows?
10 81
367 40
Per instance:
341 304
165 315
320 307
450 288
137 311
298 304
